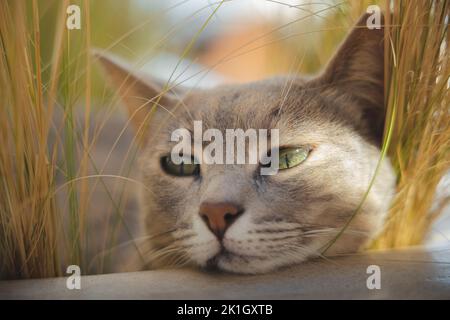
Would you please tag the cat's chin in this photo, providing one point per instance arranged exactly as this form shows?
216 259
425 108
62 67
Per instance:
246 264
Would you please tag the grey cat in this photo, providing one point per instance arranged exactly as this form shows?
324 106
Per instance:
231 217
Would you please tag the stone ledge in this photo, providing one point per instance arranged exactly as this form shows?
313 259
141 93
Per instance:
405 274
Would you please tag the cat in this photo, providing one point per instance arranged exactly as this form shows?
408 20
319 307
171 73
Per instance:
231 218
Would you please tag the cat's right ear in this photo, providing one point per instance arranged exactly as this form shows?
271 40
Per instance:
139 93
357 71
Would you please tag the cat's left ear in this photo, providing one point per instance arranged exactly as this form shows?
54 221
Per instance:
138 92
357 71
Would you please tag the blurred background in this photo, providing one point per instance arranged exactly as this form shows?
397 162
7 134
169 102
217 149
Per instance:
243 40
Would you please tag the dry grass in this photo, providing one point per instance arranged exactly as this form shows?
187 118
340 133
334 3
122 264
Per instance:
28 216
418 101
38 238
34 239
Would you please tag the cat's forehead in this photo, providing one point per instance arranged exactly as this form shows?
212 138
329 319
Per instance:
257 105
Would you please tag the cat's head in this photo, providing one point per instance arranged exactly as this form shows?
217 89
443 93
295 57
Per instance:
232 217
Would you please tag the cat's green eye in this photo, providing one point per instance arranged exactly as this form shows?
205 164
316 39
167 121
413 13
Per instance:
291 157
180 170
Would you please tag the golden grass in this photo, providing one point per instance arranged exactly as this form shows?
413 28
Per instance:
418 103
28 216
33 238
38 238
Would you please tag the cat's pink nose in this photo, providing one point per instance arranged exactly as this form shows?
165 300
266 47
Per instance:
219 216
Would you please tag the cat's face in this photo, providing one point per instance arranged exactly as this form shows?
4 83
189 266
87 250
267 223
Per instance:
283 218
232 217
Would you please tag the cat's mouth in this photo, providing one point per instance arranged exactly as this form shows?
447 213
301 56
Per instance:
226 255
213 262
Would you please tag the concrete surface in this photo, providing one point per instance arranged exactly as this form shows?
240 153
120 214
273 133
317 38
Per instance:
405 274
